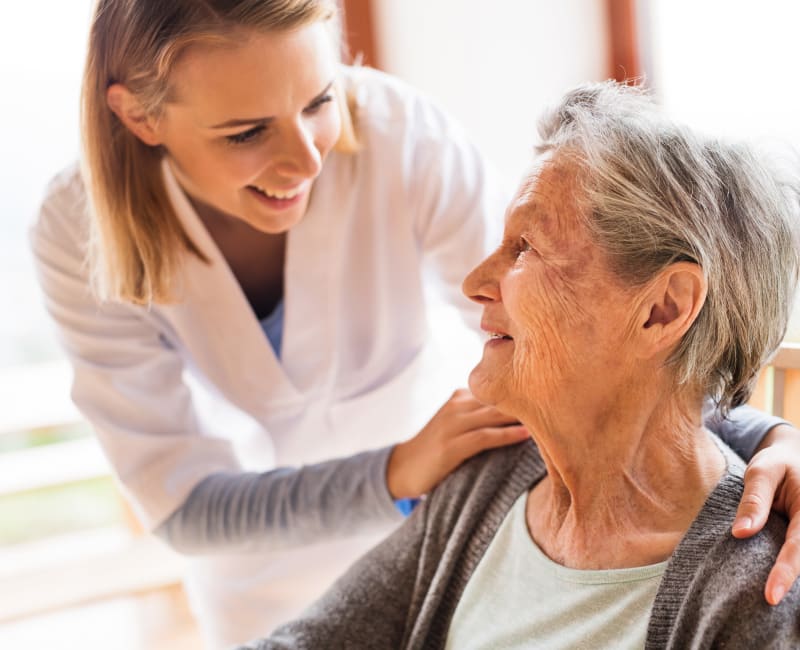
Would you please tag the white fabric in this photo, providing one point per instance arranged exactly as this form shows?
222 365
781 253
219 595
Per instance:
179 391
519 598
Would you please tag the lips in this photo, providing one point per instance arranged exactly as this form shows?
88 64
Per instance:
288 199
495 332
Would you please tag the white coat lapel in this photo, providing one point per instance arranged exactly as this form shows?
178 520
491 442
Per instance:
220 330
312 284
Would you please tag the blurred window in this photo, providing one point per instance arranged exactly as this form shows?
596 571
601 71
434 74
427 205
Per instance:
728 67
41 50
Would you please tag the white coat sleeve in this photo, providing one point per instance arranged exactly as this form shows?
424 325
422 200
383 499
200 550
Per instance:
127 378
128 382
458 205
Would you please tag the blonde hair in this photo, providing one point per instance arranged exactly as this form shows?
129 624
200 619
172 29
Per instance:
137 240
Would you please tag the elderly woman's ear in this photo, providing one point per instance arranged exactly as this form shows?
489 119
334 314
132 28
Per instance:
672 302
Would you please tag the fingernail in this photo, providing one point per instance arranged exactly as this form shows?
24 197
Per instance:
745 523
778 592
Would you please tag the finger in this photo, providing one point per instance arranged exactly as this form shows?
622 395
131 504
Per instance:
486 417
480 440
786 567
760 485
464 397
461 401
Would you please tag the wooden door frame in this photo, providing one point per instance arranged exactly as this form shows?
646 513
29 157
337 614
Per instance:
625 56
359 29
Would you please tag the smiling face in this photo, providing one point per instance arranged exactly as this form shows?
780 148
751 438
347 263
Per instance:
556 315
249 125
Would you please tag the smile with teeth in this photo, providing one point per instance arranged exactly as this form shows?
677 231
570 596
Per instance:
278 194
496 335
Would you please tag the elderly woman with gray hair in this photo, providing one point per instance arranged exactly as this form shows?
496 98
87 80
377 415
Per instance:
644 270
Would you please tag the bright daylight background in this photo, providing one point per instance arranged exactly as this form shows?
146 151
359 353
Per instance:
729 67
725 66
42 50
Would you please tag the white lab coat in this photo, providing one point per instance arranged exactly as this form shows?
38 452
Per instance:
178 391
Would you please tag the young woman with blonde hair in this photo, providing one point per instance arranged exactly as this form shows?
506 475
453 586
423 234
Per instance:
251 214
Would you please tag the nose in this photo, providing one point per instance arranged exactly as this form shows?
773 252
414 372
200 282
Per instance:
299 155
481 284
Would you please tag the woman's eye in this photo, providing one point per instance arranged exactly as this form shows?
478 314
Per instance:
317 104
523 247
246 136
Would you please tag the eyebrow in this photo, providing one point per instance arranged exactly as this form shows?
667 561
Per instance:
260 121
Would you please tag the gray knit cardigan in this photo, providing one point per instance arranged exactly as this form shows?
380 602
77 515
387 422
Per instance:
403 593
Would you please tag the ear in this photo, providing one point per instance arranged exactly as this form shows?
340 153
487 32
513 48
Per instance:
132 114
672 303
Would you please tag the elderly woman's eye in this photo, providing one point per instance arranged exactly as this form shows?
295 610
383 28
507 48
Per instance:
523 247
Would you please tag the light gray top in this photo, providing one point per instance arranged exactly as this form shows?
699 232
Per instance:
403 593
517 593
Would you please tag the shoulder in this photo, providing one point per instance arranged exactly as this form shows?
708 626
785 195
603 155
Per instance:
713 590
727 604
383 104
66 189
63 214
405 137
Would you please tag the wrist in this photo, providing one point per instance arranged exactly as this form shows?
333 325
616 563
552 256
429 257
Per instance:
396 473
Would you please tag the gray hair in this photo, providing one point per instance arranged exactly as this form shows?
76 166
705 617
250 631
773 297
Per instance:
659 193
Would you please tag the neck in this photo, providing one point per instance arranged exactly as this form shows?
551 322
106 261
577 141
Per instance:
624 485
217 221
255 258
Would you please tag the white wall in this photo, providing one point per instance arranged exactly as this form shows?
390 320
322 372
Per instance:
495 64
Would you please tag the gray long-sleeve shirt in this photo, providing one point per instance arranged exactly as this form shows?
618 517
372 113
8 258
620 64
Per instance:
284 507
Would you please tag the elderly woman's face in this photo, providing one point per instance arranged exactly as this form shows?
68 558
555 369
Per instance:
555 313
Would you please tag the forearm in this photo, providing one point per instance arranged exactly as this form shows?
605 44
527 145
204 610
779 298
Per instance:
284 507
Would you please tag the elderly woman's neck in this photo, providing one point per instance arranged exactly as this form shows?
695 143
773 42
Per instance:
623 486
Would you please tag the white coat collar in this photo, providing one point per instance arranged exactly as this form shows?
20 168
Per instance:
223 336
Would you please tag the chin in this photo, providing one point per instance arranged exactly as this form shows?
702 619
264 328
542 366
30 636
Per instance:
482 387
277 224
